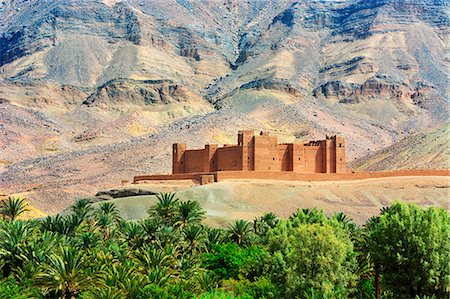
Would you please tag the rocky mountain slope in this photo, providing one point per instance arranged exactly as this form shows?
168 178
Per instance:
85 80
430 149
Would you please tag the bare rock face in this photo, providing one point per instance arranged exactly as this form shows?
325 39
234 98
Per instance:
374 88
144 92
271 84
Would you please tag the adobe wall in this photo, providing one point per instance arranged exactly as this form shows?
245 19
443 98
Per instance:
292 176
266 154
326 176
341 161
285 157
194 161
246 142
229 158
178 150
263 153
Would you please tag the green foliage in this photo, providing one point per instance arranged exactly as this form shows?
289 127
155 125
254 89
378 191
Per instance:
411 246
322 258
166 208
312 253
262 287
13 207
227 260
219 295
9 288
64 273
240 231
94 253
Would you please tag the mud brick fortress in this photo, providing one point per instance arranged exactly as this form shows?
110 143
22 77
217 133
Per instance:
262 157
263 153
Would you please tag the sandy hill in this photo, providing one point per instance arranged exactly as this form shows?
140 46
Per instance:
430 149
247 199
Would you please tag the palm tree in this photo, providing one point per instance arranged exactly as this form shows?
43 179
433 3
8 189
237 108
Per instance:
346 221
194 237
110 209
14 236
150 228
166 208
106 223
262 224
166 235
187 266
124 278
64 274
214 236
13 207
239 231
81 208
189 212
88 240
342 217
206 282
158 276
133 233
152 258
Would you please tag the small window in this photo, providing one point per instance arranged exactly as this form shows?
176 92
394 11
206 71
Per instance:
340 144
248 158
181 162
340 159
299 159
273 159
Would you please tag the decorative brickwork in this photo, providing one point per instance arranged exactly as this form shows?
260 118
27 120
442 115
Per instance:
262 153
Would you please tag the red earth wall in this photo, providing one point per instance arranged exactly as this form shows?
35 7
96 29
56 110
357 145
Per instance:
263 153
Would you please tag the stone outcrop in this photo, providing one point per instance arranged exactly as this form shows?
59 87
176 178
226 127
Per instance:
372 89
146 92
271 84
116 193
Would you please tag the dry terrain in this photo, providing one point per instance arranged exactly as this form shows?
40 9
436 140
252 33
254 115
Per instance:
247 199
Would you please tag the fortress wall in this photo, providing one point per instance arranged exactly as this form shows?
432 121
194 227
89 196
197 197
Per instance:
194 160
292 176
266 153
341 166
313 159
248 157
285 157
178 150
164 177
263 153
229 158
329 157
210 162
298 158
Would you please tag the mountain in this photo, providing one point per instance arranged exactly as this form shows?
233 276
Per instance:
423 150
85 80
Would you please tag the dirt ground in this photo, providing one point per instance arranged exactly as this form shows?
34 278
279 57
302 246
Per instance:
234 199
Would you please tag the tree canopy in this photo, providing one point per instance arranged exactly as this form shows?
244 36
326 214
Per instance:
93 253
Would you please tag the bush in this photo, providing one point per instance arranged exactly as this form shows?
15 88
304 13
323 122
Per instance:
411 247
